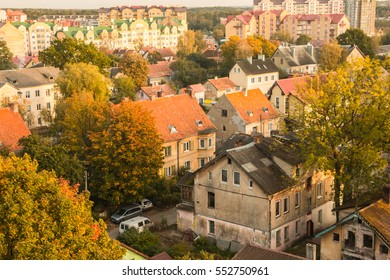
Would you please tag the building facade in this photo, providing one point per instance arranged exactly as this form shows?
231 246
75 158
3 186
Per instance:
362 14
295 7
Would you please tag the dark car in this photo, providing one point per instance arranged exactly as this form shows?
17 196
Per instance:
127 212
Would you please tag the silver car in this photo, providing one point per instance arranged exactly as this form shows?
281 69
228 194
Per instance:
127 212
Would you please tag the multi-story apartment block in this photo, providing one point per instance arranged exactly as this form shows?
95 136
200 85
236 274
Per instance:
108 15
15 39
242 26
258 193
295 7
3 15
320 27
35 91
362 14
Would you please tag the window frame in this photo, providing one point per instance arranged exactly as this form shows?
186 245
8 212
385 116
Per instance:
211 200
277 209
234 178
297 199
211 227
224 171
286 204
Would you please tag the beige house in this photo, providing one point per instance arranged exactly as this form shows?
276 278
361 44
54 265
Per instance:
243 25
295 7
321 28
254 73
13 37
257 193
159 73
296 59
217 87
36 91
361 235
246 112
39 37
188 134
153 92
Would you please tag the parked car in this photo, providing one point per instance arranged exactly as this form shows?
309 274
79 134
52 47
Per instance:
146 204
127 212
139 223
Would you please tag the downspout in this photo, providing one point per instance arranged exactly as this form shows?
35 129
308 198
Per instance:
178 157
269 220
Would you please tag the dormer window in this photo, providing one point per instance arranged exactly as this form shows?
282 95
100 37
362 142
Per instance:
172 129
199 122
250 113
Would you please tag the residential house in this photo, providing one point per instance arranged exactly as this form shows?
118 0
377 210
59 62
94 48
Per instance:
3 15
258 194
159 73
151 93
255 252
217 87
188 134
14 38
286 98
8 94
242 26
16 16
36 91
244 111
39 37
214 54
255 73
198 90
296 59
12 128
362 235
25 61
351 52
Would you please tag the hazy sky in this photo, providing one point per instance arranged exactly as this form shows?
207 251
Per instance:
94 4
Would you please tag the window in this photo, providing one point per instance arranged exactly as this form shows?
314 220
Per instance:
286 204
252 80
281 61
297 199
202 161
270 126
210 176
202 143
266 78
383 249
169 171
211 200
223 128
224 175
319 190
28 94
187 146
224 113
38 107
297 227
210 142
278 239
277 208
236 178
286 233
37 93
259 79
250 184
336 237
168 151
39 121
48 105
308 183
211 227
187 165
319 216
254 129
367 241
272 77
277 102
48 92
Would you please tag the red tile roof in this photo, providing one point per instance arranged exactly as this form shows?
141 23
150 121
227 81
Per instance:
160 69
252 106
197 88
12 128
165 89
179 113
292 85
222 83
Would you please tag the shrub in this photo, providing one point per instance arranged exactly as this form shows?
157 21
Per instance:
145 242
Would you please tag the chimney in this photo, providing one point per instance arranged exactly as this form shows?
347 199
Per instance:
190 92
249 58
292 51
245 91
261 57
257 137
216 78
14 107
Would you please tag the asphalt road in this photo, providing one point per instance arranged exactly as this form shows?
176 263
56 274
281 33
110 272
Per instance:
155 215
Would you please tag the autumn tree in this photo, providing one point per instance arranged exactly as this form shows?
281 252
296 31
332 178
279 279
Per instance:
71 51
81 77
347 127
187 72
123 88
228 52
303 39
282 36
5 56
53 157
330 56
127 155
135 67
42 217
355 36
261 45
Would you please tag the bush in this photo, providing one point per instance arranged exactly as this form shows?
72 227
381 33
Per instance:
145 242
178 250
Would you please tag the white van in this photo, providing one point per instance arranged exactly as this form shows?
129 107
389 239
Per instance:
139 223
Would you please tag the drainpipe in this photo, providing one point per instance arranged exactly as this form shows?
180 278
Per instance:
178 156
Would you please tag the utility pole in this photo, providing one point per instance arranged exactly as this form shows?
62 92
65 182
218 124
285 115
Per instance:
86 180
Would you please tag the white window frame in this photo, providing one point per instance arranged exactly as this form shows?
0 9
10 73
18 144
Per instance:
202 143
319 189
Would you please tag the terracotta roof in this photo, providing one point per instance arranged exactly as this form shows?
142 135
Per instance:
12 128
166 52
243 18
161 256
160 69
277 12
255 252
252 106
292 85
377 215
222 83
197 88
165 89
178 117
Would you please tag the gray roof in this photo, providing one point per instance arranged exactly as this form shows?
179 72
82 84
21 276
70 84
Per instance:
285 151
30 77
258 66
235 140
301 56
383 49
255 252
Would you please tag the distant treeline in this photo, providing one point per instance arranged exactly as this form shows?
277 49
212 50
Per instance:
33 14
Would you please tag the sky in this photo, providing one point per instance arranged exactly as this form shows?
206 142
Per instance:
94 4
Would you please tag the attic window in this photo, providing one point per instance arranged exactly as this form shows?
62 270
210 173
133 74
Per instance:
265 109
172 129
250 113
199 122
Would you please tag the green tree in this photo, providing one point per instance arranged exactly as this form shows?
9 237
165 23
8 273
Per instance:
127 155
219 32
303 39
5 56
330 56
71 51
347 127
187 72
135 67
52 157
228 52
355 36
124 88
81 77
146 242
282 36
42 217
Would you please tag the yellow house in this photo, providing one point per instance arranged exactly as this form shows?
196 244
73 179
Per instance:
188 134
14 38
